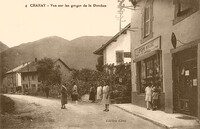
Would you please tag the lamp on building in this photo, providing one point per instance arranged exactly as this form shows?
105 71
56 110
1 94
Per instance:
132 7
134 3
174 40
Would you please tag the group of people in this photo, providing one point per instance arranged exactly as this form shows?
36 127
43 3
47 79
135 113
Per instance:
151 96
64 94
102 94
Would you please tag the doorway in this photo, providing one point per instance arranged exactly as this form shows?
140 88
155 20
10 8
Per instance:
185 88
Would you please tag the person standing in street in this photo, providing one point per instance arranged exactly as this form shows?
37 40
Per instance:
75 93
47 91
155 94
106 97
63 96
148 94
99 93
92 93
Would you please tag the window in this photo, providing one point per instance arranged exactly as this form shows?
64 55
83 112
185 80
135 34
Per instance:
148 71
33 86
149 68
33 77
119 57
127 54
24 86
147 18
184 8
146 21
23 78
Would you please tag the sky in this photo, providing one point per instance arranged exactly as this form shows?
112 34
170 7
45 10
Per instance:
25 21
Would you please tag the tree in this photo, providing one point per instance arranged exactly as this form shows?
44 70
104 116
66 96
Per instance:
48 73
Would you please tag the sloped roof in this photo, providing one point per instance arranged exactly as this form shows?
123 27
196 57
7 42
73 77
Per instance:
62 63
32 67
16 69
100 50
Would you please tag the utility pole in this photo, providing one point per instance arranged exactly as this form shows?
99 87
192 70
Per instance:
28 75
13 81
120 12
122 8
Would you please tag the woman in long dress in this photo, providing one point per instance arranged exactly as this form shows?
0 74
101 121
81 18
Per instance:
106 97
99 94
92 94
75 93
63 96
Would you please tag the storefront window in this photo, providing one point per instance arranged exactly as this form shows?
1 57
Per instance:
149 71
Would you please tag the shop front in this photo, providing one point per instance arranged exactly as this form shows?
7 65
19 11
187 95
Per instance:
148 62
185 79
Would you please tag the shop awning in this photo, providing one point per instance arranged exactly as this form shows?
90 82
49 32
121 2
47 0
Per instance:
146 56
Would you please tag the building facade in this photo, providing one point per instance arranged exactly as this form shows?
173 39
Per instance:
30 78
165 51
25 77
116 59
12 80
66 72
117 49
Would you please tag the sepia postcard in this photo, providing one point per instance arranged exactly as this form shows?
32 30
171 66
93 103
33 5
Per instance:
99 64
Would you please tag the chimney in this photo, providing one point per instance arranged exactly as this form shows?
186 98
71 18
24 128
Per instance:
35 59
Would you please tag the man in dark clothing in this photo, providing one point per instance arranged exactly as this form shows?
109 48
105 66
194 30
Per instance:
47 91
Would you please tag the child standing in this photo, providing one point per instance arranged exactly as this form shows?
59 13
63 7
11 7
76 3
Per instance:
148 94
155 97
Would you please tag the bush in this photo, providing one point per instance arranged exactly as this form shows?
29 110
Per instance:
83 79
7 105
120 78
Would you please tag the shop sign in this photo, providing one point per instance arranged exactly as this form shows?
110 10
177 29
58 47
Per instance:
148 47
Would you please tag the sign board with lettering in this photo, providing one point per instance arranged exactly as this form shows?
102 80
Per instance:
148 47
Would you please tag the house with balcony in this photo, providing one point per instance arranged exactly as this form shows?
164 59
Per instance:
166 51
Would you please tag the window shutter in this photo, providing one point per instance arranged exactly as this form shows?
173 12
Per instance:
147 15
119 56
142 25
147 18
151 17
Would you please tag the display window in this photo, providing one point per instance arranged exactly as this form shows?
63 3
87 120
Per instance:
149 72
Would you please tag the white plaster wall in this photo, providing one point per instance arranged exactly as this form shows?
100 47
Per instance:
19 79
122 43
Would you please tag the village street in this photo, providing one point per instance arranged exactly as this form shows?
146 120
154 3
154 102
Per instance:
35 112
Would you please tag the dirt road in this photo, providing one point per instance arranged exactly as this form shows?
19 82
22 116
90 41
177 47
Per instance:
35 112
